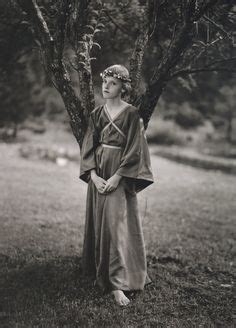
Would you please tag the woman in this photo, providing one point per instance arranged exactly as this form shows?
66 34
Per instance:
115 163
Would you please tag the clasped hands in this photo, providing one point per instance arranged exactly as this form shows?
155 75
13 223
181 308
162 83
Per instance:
105 186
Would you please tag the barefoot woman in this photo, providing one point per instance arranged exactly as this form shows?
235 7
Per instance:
115 162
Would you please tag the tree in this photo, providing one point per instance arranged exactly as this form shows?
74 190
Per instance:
14 109
174 29
16 86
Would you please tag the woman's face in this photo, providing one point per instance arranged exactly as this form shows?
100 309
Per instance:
111 87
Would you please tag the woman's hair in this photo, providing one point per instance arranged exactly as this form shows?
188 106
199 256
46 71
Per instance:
121 73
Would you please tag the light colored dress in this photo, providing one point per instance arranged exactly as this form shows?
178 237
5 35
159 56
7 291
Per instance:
114 250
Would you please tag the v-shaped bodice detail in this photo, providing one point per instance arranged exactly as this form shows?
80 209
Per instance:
116 115
111 121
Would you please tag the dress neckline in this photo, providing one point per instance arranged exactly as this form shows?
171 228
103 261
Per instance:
115 116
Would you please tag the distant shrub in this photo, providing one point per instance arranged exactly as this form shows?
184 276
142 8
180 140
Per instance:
6 134
188 117
164 133
38 128
58 155
218 122
169 114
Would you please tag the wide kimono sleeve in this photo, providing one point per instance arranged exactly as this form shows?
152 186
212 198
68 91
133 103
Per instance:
87 153
135 163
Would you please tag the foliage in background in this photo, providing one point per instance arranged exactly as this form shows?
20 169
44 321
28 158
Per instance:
15 106
20 71
227 108
170 45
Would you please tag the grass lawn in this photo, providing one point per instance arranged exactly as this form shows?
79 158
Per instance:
188 219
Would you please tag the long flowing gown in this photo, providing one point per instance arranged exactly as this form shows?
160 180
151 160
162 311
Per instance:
114 250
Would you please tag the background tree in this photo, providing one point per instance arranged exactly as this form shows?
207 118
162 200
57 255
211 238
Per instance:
14 108
17 84
185 37
227 106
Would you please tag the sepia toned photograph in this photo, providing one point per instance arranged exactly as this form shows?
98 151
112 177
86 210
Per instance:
117 163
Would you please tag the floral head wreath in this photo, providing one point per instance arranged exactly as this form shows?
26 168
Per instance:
109 72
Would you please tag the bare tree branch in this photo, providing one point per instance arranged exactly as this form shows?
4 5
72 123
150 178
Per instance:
201 70
121 28
222 61
41 22
217 26
136 60
40 26
201 10
63 17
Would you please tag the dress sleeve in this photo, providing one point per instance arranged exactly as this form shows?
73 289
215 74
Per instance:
135 162
87 154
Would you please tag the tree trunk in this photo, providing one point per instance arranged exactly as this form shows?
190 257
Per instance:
161 76
71 101
149 100
136 62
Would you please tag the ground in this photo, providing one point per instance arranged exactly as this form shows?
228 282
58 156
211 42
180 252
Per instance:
188 220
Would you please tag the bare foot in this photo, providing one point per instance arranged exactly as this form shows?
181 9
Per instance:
120 297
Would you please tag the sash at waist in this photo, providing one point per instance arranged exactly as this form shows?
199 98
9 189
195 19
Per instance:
110 146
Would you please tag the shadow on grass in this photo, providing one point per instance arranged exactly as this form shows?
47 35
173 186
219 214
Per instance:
52 292
37 289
